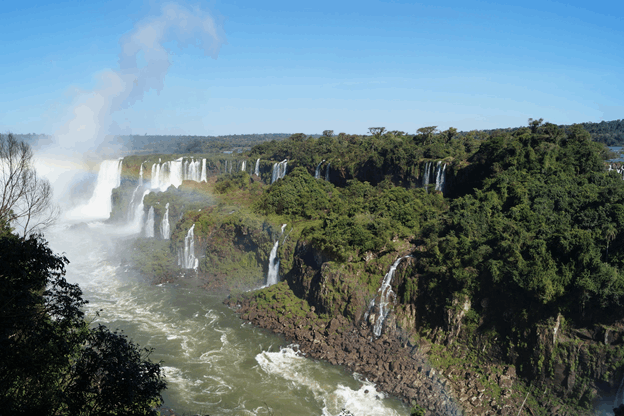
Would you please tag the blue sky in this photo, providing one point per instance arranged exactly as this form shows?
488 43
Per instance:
284 66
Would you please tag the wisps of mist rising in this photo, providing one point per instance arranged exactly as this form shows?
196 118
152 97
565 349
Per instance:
143 62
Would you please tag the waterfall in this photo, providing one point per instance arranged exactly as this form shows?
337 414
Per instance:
165 228
149 224
131 207
100 204
440 177
191 170
187 258
173 173
243 165
257 169
155 175
279 170
385 294
203 172
317 172
274 262
426 176
327 171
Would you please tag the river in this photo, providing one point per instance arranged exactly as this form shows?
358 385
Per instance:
214 363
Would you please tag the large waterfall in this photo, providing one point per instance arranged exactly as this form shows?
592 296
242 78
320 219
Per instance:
327 171
257 169
100 204
384 295
279 170
244 165
186 258
317 172
174 172
149 224
165 228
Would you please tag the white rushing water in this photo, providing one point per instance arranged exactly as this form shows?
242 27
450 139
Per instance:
186 255
149 224
437 172
257 168
385 295
213 362
317 171
203 177
279 170
165 228
100 203
327 171
274 263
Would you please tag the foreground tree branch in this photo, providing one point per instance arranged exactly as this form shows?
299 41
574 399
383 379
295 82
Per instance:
25 198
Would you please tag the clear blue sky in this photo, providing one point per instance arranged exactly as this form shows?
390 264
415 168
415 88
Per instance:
285 66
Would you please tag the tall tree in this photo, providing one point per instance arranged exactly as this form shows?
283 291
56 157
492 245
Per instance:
25 198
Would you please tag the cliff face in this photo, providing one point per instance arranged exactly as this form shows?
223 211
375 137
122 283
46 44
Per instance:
573 365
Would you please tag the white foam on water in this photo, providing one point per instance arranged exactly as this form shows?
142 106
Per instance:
302 372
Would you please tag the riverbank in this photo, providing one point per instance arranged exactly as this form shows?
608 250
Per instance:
395 364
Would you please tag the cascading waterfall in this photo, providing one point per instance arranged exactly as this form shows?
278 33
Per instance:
279 170
437 172
426 176
131 207
149 224
192 170
187 258
274 262
100 204
385 294
165 228
257 169
174 172
327 171
204 177
317 172
243 165
440 177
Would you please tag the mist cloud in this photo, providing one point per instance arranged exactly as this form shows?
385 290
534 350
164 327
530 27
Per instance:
143 65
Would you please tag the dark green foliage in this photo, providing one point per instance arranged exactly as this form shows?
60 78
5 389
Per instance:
51 362
297 195
539 235
232 181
